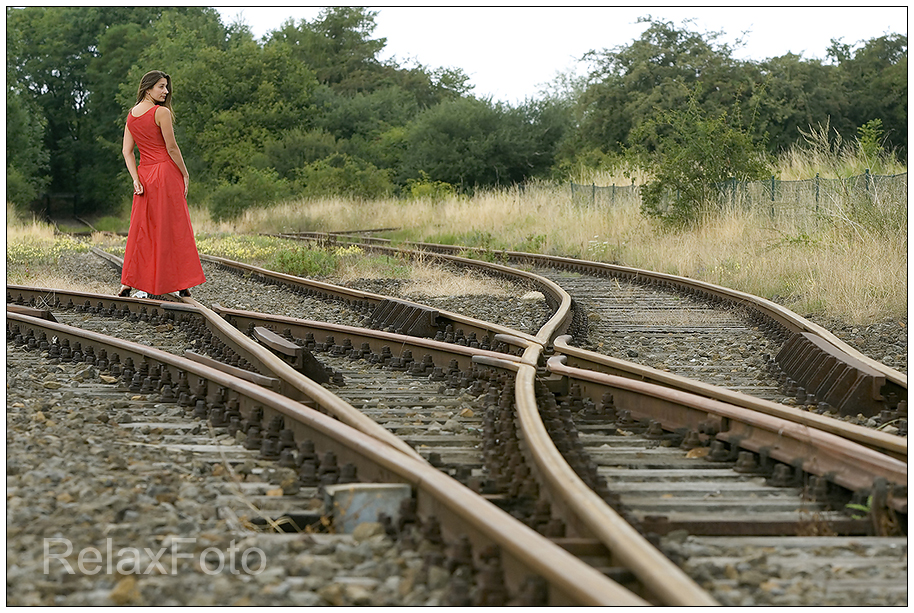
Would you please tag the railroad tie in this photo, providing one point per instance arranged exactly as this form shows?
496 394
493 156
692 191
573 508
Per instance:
832 376
405 317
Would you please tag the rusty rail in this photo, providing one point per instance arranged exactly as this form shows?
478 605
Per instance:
841 461
525 553
894 446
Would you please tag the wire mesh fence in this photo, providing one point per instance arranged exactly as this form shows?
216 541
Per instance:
612 195
803 204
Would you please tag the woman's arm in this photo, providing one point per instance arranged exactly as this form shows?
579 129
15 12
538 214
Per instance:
163 118
130 160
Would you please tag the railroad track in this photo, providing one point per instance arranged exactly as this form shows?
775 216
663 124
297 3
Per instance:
722 343
455 508
522 355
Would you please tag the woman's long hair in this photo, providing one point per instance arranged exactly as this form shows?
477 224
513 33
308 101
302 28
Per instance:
148 82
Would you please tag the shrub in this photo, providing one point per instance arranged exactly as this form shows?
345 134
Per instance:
304 262
692 154
343 175
20 189
257 187
436 191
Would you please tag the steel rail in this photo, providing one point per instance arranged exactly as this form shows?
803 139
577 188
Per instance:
814 356
777 313
558 298
572 582
895 446
845 463
556 470
359 297
585 509
290 382
585 512
325 399
375 339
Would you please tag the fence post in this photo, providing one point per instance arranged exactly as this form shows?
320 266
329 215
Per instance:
866 180
593 193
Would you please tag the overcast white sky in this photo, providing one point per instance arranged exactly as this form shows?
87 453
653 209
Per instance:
509 52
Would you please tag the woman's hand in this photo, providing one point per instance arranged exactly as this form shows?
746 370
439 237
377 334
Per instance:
186 182
137 187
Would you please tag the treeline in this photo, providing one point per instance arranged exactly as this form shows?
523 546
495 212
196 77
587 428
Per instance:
311 110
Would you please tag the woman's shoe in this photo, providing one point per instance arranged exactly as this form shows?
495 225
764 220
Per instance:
125 291
184 293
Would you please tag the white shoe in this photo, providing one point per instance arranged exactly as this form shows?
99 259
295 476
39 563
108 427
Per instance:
141 294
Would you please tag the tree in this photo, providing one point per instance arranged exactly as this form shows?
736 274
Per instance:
26 156
337 46
235 101
791 94
627 83
875 78
55 55
473 143
696 154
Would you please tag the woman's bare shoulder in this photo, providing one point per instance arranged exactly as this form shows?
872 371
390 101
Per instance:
162 112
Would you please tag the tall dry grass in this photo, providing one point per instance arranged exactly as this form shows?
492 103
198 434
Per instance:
847 258
840 267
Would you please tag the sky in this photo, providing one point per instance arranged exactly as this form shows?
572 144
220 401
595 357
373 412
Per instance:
511 52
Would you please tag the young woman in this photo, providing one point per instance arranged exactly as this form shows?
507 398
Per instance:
161 255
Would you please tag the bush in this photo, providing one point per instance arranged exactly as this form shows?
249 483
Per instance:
693 154
343 175
20 189
304 262
257 187
425 188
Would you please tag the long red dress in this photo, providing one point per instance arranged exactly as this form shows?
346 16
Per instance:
161 255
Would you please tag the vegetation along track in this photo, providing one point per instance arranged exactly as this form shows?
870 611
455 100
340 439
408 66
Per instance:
531 351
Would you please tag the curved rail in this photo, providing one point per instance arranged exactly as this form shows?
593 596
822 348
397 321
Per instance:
318 394
841 461
594 516
552 333
666 581
442 319
895 446
525 551
782 316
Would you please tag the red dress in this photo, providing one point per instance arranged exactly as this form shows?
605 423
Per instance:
161 255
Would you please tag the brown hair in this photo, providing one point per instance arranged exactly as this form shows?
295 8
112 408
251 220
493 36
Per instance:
148 82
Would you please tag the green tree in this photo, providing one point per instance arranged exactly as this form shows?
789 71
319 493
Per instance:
696 155
337 46
791 94
875 78
26 156
626 84
342 175
237 104
472 143
55 55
